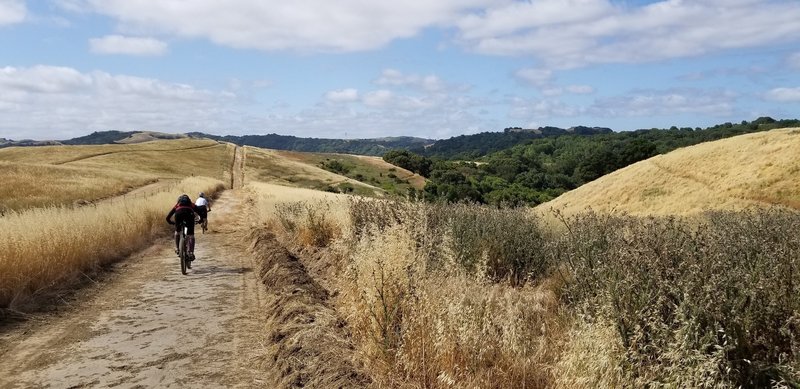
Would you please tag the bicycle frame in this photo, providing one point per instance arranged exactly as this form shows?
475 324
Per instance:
182 249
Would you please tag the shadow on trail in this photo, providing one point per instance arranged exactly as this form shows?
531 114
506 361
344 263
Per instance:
213 270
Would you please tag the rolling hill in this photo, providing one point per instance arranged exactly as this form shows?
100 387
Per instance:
729 174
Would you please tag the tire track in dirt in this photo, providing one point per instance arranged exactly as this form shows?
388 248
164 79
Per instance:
150 326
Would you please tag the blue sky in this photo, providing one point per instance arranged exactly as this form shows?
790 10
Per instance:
356 69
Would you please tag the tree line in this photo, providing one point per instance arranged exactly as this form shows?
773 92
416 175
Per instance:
542 168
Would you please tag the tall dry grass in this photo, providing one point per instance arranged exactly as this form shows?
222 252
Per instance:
40 185
45 247
434 299
426 311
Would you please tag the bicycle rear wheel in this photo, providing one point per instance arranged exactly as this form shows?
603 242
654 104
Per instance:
182 252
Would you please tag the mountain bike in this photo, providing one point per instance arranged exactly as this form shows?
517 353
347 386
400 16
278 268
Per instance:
183 250
204 224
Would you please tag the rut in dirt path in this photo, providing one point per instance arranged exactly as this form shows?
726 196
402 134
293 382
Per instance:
150 326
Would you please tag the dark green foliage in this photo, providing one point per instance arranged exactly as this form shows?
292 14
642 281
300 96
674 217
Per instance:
543 168
377 146
469 147
336 166
99 138
409 161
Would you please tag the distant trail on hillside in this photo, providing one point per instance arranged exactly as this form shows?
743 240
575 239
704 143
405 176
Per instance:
84 157
237 168
150 326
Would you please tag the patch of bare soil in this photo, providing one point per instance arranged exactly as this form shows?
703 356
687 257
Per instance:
150 326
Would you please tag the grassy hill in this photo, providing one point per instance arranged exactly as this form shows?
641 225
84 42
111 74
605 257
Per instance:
733 173
61 175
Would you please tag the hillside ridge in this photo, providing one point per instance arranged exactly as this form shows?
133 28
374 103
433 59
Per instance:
748 170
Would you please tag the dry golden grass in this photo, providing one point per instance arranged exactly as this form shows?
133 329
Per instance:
374 169
45 247
37 185
274 167
65 154
415 326
418 322
40 176
415 180
729 174
268 197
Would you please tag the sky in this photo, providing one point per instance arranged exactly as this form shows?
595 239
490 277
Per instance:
365 69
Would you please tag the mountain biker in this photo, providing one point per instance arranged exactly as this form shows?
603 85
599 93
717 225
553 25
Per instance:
184 211
203 206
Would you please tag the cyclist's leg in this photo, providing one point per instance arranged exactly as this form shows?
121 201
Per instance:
190 237
177 235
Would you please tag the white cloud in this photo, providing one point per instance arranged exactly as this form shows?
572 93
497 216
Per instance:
429 83
48 102
783 95
573 33
378 98
118 44
301 25
534 76
666 102
42 79
580 89
58 102
12 11
538 109
347 95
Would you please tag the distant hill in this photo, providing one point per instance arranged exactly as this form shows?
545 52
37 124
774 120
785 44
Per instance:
541 169
375 147
27 142
729 174
99 138
470 147
109 137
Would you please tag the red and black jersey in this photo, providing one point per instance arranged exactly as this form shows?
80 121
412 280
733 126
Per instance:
185 212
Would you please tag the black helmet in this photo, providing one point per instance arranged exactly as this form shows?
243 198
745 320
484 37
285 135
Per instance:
184 199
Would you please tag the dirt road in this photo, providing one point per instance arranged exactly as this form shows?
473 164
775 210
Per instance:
150 326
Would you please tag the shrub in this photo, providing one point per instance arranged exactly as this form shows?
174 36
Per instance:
715 303
308 223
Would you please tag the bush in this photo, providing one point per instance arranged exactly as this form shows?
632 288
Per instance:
308 223
501 244
714 304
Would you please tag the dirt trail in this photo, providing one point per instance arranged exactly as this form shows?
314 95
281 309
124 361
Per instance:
151 326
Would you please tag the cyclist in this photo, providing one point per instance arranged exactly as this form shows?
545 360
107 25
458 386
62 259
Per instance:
203 207
184 211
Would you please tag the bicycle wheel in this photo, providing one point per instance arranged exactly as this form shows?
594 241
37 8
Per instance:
204 224
182 252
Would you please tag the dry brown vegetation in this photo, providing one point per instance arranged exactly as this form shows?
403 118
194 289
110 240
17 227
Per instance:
65 175
458 296
453 296
730 174
53 225
269 166
43 248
